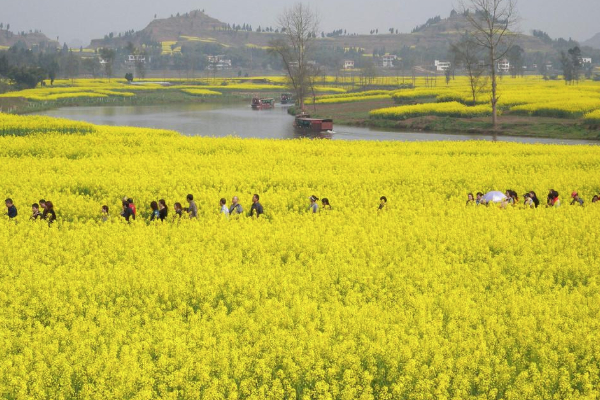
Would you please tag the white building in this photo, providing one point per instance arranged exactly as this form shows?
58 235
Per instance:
348 64
135 58
387 61
586 60
442 66
218 63
503 66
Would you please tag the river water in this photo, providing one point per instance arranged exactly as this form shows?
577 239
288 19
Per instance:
220 120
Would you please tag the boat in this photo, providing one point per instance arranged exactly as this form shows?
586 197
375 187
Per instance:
287 98
305 122
262 104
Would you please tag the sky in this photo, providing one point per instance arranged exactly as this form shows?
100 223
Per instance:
79 21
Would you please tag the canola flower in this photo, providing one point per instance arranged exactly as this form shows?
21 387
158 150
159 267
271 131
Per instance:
451 109
430 299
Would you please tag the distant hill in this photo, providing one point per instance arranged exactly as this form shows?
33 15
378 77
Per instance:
593 42
8 39
197 26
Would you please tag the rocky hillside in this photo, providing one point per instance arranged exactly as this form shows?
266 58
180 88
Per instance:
195 25
8 39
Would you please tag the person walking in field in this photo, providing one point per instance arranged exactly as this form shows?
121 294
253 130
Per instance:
314 207
132 206
163 210
595 199
192 209
528 201
534 198
553 199
127 212
479 200
576 199
178 209
42 207
155 213
49 214
105 215
325 203
236 207
470 199
382 203
35 212
223 204
11 208
257 208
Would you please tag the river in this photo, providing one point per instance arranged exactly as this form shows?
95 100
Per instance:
220 120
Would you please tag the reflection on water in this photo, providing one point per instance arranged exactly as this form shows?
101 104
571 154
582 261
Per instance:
220 120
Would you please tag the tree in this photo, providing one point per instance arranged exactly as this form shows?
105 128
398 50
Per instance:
299 26
491 22
90 66
108 56
72 66
571 65
129 77
466 55
515 58
26 77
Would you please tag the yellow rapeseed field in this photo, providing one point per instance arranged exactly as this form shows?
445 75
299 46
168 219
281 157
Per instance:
429 299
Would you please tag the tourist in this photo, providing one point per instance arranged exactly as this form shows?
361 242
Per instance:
382 203
550 198
325 203
49 214
163 210
534 198
256 208
127 212
178 209
192 209
155 213
12 210
528 201
576 199
470 199
479 200
105 215
595 199
314 207
43 205
236 207
554 199
223 204
35 212
132 206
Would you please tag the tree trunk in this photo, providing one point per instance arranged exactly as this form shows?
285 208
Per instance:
494 86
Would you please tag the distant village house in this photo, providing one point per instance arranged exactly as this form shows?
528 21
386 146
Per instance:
442 66
348 64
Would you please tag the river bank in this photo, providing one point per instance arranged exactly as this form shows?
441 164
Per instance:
357 114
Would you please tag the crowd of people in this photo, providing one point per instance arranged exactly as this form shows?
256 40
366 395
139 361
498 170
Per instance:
530 199
160 211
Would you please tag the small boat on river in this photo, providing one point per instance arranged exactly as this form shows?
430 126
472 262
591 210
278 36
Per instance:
305 122
262 104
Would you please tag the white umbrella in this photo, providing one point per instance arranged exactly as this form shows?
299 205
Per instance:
494 197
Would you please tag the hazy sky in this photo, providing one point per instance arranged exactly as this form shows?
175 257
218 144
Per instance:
87 19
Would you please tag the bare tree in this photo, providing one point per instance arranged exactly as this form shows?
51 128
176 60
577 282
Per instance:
492 23
466 55
299 26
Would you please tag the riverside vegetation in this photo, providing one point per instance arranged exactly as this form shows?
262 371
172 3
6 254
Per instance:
430 299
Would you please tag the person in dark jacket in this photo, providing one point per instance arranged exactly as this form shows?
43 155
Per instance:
256 208
178 209
35 212
535 199
49 214
12 210
127 212
163 210
155 213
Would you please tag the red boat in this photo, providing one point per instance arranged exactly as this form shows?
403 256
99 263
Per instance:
262 104
304 121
